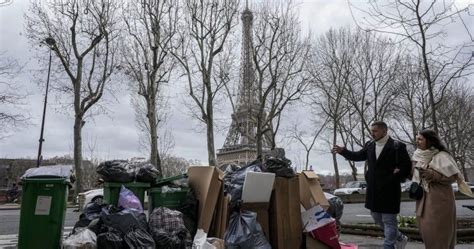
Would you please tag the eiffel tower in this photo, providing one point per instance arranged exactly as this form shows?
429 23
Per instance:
240 145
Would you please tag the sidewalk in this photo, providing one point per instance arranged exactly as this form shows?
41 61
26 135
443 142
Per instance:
15 206
368 242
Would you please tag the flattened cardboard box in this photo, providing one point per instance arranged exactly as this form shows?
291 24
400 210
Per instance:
286 229
311 192
207 184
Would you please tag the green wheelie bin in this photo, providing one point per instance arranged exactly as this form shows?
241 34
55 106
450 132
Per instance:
172 198
43 208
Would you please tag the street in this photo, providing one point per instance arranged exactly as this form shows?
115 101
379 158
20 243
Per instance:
10 220
353 213
357 213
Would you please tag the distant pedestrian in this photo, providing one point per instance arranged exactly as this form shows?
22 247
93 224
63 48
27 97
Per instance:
388 165
435 170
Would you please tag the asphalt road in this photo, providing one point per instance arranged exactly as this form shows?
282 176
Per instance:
357 213
353 213
10 220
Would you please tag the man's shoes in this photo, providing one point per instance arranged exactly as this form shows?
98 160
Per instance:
401 242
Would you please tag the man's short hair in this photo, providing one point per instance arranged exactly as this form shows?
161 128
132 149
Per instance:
380 124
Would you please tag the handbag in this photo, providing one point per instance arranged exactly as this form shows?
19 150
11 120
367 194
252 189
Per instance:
416 191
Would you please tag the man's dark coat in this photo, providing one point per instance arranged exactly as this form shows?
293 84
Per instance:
383 186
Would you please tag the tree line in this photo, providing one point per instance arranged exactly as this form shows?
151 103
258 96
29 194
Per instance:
393 66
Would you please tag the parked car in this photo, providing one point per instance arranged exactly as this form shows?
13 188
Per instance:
93 195
352 187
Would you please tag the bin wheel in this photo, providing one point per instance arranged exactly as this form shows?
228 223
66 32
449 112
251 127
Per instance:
98 200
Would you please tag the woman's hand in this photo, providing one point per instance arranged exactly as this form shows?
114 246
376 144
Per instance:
430 175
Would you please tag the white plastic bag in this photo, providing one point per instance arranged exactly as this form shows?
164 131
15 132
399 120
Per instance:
83 239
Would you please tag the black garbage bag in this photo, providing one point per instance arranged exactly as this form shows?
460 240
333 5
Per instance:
116 171
91 212
276 162
111 239
139 239
125 220
168 230
190 209
234 182
244 231
146 173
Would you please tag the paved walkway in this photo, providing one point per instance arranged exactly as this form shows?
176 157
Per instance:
367 242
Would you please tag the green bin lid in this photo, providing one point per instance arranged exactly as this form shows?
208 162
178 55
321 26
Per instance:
45 180
168 180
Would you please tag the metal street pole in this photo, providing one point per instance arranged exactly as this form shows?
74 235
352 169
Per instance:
50 42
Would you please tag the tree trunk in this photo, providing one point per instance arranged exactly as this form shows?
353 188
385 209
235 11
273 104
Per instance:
154 154
259 135
334 140
210 131
78 152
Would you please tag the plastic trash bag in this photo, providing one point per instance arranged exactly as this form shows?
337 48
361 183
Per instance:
110 240
116 171
276 162
168 229
245 232
127 199
91 212
146 173
138 238
60 171
83 239
125 220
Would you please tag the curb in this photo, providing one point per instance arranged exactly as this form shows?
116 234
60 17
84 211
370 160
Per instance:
17 207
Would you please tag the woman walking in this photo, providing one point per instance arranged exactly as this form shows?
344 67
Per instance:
435 170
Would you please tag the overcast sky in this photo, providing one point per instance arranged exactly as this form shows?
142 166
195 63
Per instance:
116 133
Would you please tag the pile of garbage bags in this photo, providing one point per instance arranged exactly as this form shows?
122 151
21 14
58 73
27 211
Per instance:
126 226
124 171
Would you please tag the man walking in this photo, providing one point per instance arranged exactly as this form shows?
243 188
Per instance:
388 165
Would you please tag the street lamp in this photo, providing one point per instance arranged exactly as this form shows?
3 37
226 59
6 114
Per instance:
50 41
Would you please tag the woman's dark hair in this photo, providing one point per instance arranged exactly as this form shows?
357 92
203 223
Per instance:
432 139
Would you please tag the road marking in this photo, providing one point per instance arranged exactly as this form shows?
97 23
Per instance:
363 215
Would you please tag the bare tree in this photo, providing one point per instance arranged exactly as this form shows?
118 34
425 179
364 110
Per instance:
422 24
10 95
456 115
83 37
280 57
412 110
331 68
201 51
151 26
173 165
307 140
